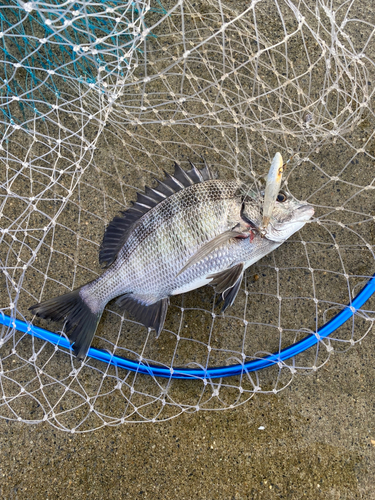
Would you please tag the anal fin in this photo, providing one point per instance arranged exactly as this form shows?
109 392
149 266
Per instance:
152 316
227 283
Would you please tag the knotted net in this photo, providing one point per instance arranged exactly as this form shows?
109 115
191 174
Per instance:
96 99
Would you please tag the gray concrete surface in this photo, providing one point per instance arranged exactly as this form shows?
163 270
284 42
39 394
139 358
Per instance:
318 442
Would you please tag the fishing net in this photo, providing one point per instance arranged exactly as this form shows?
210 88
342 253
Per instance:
96 99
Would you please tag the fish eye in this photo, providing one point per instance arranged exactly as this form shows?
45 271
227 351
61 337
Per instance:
282 196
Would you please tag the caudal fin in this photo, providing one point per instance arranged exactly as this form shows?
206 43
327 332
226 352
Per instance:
81 322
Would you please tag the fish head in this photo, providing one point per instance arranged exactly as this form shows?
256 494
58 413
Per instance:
288 216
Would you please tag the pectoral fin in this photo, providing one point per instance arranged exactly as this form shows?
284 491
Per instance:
227 283
209 247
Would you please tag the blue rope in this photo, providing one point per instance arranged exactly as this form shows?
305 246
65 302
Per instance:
208 373
57 53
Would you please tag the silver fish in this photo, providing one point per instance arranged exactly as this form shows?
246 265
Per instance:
188 231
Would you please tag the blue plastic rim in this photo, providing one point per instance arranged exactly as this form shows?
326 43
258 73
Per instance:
209 373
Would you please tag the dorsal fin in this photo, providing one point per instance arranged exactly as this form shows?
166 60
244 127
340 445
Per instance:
119 229
206 174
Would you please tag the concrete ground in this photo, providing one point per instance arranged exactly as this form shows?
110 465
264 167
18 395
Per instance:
318 442
314 440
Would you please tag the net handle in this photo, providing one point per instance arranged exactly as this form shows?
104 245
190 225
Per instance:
143 367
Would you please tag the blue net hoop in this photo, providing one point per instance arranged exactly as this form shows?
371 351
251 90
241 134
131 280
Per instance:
209 373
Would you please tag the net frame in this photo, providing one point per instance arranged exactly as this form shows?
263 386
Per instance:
212 373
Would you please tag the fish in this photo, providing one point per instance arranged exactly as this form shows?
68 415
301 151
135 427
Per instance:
188 231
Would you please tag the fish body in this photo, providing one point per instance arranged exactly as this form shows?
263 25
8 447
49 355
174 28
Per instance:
165 237
188 231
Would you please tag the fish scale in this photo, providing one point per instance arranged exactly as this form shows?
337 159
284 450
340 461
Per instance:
188 231
148 263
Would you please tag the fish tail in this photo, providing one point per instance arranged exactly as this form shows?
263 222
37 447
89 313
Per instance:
81 320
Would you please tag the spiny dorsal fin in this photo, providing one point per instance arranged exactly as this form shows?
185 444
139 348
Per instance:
206 174
121 226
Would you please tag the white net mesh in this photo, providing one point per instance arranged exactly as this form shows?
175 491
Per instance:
96 99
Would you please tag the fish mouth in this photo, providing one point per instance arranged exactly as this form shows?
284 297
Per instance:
304 212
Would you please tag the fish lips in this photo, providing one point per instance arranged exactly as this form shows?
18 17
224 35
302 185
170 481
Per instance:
303 213
283 231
